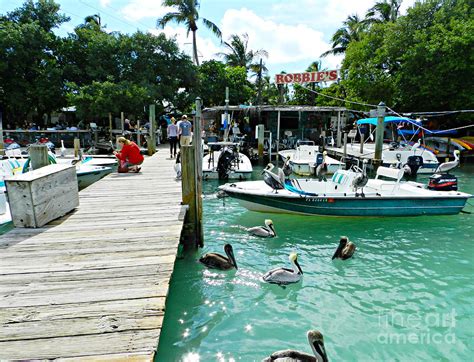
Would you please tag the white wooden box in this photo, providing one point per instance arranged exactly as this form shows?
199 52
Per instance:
42 195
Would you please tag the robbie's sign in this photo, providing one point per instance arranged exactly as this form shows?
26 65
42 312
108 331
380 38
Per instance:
310 77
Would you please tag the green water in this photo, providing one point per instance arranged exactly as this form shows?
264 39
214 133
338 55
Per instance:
407 295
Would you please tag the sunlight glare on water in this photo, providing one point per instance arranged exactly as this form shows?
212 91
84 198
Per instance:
407 294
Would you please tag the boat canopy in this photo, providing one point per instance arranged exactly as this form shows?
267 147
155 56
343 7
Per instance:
388 119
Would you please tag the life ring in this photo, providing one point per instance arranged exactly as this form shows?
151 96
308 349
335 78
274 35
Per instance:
26 166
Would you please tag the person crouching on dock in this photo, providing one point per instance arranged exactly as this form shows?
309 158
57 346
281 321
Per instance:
129 157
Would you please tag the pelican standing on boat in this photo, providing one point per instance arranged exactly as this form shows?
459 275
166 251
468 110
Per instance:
218 261
316 342
448 166
345 250
276 182
361 180
284 276
267 231
322 169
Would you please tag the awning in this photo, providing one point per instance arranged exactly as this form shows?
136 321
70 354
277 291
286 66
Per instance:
388 119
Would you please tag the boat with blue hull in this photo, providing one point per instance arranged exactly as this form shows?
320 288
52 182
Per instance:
342 196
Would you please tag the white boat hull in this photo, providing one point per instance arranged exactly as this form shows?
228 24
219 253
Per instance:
239 170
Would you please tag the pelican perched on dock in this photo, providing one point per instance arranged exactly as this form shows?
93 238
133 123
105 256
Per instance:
345 250
276 182
267 231
322 169
448 166
218 261
284 276
316 342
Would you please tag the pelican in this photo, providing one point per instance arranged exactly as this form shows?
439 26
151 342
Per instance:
416 145
361 180
316 342
63 149
177 166
276 182
448 166
266 231
218 261
345 250
322 169
284 276
286 167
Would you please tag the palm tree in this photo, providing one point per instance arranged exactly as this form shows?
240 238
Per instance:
240 56
92 22
187 13
383 12
351 31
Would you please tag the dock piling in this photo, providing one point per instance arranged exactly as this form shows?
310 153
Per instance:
379 131
77 147
38 156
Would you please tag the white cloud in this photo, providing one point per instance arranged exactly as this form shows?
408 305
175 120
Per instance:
140 9
105 3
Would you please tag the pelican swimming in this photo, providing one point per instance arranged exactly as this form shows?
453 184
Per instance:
448 166
316 342
218 261
276 182
345 250
284 276
266 231
322 169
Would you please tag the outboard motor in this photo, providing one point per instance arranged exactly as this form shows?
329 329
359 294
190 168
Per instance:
351 161
414 163
443 182
224 163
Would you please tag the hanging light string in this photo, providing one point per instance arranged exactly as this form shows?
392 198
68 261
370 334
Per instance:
396 113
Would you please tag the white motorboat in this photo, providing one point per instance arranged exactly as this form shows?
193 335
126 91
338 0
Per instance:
224 161
348 193
405 153
306 157
87 175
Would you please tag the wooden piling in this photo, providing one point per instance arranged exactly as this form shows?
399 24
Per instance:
122 121
362 140
77 147
151 143
344 135
379 131
38 156
261 139
111 127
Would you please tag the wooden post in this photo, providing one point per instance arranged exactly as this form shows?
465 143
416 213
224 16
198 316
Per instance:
111 127
277 139
338 135
122 121
197 140
151 144
2 146
38 156
362 139
77 147
345 146
379 135
226 122
260 134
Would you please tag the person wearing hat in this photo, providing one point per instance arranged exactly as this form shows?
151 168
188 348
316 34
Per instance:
185 129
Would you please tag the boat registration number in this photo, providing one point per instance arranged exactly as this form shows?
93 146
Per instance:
330 200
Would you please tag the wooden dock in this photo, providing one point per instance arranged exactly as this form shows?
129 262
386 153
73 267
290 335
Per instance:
93 284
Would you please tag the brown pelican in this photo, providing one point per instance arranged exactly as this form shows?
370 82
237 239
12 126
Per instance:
322 169
266 231
316 342
218 261
276 182
448 166
284 276
286 167
345 250
361 180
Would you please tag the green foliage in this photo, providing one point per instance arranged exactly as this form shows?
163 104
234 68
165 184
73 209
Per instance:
214 76
30 75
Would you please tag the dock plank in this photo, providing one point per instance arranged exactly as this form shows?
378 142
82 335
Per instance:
92 285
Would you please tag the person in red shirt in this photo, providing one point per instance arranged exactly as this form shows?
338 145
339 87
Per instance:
130 157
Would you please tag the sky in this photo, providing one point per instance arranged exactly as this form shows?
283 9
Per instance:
293 32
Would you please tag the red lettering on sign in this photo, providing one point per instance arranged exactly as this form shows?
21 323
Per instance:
279 79
333 75
320 76
313 76
297 78
306 77
288 78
